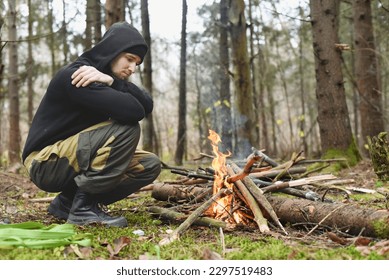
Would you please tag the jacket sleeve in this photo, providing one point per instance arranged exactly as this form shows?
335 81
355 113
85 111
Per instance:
139 93
115 101
143 97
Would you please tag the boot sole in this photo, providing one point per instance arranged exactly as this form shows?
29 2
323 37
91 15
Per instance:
80 222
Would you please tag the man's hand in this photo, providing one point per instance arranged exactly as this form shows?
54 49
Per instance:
85 75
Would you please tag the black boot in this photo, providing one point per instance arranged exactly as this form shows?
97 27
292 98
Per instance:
85 210
60 206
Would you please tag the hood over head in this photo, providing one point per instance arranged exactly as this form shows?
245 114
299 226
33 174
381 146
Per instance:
120 37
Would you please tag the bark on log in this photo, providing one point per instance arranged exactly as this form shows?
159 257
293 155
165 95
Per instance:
347 218
177 192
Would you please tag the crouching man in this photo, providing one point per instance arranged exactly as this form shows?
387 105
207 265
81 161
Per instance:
84 136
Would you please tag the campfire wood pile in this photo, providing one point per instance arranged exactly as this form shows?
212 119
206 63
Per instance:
236 193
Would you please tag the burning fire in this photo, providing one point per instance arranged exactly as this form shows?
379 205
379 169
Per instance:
227 207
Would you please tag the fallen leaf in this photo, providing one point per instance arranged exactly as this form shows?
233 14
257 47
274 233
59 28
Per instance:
118 244
337 239
362 241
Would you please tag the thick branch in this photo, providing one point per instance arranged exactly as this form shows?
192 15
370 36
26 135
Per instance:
251 203
179 217
259 197
192 217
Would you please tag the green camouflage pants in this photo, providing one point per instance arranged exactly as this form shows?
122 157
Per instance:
101 160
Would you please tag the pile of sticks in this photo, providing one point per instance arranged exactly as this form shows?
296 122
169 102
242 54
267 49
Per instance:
189 199
253 179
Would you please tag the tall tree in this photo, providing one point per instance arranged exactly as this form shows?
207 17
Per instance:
245 116
13 87
30 64
93 23
181 132
303 116
333 118
64 35
366 70
51 38
114 12
88 40
148 125
98 22
224 92
253 69
2 96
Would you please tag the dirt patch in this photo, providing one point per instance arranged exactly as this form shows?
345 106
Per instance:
16 191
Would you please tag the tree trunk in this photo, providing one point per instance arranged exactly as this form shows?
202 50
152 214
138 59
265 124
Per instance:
93 23
347 218
30 65
114 12
13 88
148 125
245 116
333 118
2 95
88 42
264 84
253 69
51 38
303 116
225 120
97 34
284 86
64 36
370 106
181 132
203 126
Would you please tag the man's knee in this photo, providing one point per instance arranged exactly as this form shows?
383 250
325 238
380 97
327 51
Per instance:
152 165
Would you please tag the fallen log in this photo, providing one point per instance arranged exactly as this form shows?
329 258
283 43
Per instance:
176 192
345 217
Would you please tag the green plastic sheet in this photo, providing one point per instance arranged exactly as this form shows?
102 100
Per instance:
39 236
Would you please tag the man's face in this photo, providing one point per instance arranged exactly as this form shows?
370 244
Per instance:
124 65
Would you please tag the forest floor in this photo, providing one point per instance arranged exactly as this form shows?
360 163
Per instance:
18 204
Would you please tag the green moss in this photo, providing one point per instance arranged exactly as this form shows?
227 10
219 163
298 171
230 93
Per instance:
381 228
351 156
266 249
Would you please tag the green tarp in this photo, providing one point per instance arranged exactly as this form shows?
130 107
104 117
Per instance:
39 236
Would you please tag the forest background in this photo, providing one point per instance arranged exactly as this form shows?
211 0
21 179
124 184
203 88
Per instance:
311 76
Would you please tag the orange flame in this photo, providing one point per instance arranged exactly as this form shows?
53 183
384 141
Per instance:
219 162
222 208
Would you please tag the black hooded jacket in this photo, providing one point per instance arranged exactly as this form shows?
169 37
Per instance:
66 110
